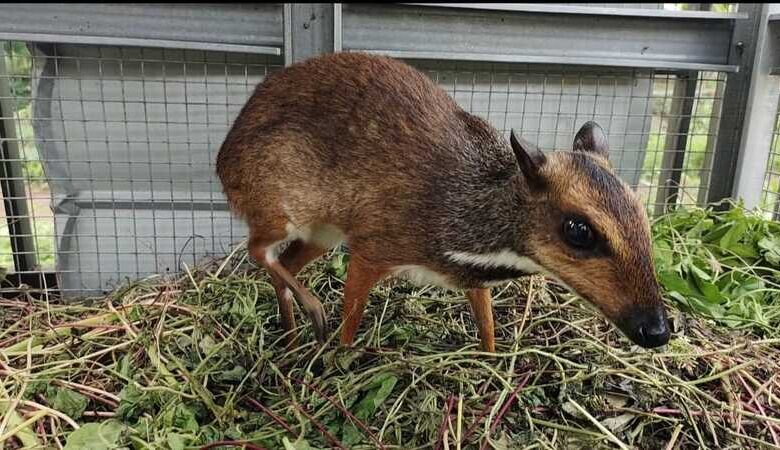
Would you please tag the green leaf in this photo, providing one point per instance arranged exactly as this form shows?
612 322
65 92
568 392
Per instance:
351 435
181 417
716 233
36 387
237 373
207 344
771 249
705 285
700 227
695 270
673 282
126 365
70 403
338 265
381 388
377 392
131 402
733 235
712 310
663 255
175 441
300 444
744 251
95 436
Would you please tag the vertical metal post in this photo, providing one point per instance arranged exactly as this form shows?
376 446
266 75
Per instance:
735 98
705 174
759 122
12 181
676 141
337 28
310 29
712 132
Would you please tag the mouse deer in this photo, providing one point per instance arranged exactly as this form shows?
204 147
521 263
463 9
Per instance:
368 150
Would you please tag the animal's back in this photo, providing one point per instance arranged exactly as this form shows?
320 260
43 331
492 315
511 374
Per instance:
332 138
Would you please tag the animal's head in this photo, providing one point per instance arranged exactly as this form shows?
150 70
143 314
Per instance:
591 232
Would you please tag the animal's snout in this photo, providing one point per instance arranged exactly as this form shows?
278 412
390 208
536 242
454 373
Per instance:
649 327
654 334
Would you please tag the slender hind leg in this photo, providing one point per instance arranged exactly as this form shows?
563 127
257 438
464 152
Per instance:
361 277
294 258
259 249
482 308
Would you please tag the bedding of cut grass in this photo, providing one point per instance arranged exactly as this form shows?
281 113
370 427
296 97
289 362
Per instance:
196 361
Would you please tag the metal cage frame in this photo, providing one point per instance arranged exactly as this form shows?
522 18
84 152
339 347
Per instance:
681 45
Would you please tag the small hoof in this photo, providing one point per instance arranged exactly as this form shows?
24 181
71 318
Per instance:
316 312
320 324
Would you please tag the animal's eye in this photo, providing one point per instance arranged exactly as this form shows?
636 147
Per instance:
578 233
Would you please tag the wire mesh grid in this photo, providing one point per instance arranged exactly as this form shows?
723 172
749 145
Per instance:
113 150
662 126
770 204
109 152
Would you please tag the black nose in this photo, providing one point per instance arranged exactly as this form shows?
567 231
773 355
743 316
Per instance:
647 327
654 334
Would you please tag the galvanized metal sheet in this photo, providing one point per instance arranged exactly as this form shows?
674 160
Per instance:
538 37
241 24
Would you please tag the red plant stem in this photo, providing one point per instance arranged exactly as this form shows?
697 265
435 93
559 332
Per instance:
769 425
242 444
505 408
42 430
764 387
477 421
321 427
271 414
761 411
445 420
345 411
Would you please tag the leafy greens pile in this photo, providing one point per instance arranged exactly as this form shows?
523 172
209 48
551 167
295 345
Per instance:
722 265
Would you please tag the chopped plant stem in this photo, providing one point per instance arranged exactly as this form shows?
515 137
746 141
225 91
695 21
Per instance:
444 421
598 424
504 409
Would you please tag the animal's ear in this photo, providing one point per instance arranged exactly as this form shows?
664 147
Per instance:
591 138
530 159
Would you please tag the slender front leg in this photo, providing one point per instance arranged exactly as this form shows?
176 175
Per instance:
482 308
361 277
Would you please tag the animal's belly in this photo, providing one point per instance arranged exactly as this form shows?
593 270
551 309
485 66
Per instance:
472 270
423 276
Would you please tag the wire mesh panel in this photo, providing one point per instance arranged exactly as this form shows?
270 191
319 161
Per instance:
547 104
120 143
661 126
770 204
109 173
686 116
